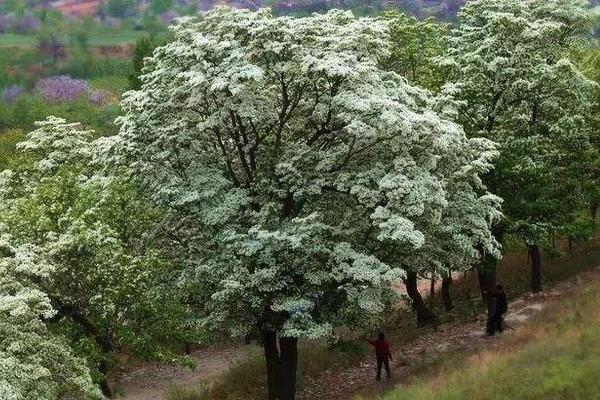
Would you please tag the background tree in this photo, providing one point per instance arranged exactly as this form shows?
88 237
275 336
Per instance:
509 66
143 48
110 288
160 6
415 46
119 8
287 164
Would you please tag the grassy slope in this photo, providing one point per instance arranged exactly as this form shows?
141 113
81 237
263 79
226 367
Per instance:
556 356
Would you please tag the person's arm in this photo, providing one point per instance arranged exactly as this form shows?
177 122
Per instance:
370 341
389 351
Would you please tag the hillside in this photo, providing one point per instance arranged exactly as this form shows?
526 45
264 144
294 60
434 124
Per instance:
556 355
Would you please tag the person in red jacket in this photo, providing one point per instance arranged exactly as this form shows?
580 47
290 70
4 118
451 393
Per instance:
383 354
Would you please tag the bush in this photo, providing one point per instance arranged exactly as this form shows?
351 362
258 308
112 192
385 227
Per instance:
11 93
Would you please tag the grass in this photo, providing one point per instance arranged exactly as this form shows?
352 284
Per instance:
103 39
557 356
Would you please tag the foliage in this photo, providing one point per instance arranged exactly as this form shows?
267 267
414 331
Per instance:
11 93
108 285
143 48
34 362
119 8
99 97
160 6
415 46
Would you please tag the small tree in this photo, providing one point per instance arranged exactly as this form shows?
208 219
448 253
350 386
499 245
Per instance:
298 178
108 285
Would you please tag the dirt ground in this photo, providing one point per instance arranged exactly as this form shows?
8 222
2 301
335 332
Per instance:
152 381
360 380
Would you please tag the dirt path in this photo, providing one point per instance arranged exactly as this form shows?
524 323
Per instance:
152 381
344 385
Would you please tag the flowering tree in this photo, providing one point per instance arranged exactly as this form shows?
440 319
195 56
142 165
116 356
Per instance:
298 178
109 287
34 363
508 68
100 97
61 88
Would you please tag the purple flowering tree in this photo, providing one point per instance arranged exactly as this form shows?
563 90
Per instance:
6 23
28 24
62 88
11 93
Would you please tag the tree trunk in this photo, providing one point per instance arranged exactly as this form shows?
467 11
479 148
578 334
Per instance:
570 239
536 268
289 364
486 274
424 315
104 386
594 205
282 363
446 283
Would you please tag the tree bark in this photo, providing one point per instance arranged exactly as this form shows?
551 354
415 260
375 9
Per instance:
104 341
446 283
289 364
432 287
570 240
536 268
486 274
103 368
594 205
282 363
424 315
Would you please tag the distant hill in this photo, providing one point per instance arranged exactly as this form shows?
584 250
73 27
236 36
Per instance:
444 9
441 9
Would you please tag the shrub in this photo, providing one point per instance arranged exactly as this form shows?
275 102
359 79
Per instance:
99 97
11 93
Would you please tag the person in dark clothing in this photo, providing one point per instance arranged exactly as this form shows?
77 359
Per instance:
383 354
499 310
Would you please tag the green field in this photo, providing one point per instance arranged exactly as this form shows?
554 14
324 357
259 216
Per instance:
11 40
